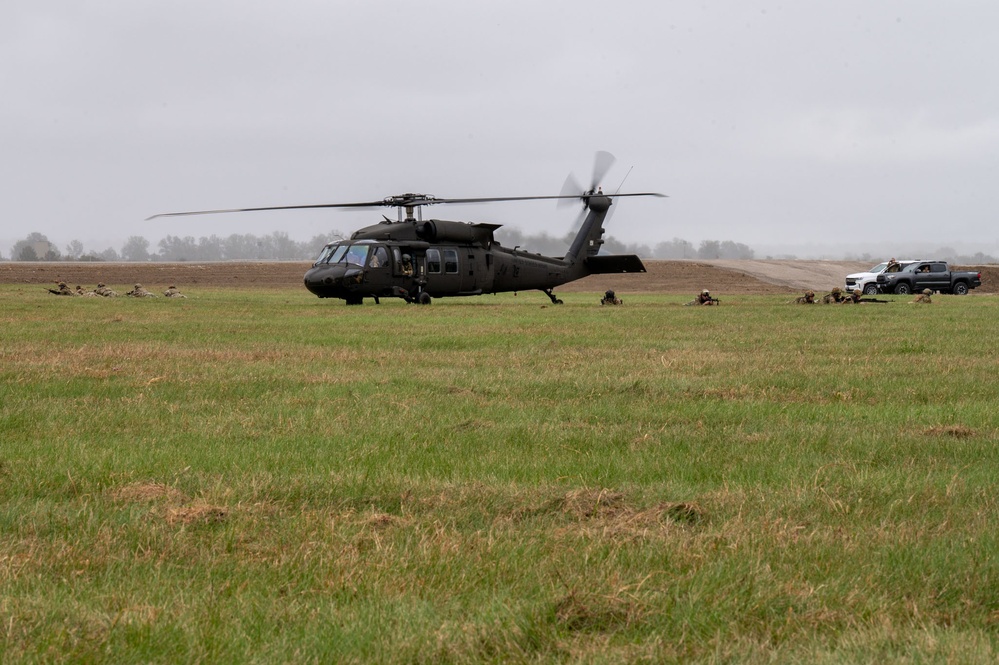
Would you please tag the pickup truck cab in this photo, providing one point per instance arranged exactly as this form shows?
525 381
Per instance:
867 282
932 275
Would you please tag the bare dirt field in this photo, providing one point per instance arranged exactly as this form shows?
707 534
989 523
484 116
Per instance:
672 277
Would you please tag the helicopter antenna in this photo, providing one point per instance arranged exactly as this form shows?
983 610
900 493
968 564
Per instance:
622 181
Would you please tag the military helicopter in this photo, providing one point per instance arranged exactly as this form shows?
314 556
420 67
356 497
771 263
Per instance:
419 260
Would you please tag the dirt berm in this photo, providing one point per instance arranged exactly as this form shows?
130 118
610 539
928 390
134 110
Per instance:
674 277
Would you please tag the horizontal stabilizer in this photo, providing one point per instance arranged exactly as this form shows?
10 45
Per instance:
608 263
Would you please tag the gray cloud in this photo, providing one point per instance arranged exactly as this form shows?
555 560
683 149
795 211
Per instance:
767 123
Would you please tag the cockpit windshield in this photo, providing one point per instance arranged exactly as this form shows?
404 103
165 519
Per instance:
351 254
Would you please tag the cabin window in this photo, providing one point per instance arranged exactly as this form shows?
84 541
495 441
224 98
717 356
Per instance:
433 261
451 261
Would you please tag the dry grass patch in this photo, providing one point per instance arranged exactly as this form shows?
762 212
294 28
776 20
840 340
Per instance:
197 513
591 612
955 431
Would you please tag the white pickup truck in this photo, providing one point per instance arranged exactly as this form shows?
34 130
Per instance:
867 282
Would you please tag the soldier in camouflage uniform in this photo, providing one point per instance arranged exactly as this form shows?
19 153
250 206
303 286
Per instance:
807 299
63 290
81 292
704 299
173 292
924 297
835 296
610 299
103 290
139 292
855 299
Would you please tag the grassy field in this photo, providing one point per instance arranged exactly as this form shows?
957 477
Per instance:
267 477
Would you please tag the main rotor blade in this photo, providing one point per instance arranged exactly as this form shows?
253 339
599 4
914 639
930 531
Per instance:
397 202
368 204
601 165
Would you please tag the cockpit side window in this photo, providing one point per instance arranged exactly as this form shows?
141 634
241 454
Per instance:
356 255
379 258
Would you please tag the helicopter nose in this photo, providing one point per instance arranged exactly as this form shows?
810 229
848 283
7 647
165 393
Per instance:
322 280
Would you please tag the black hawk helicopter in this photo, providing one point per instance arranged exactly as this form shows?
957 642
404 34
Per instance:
419 260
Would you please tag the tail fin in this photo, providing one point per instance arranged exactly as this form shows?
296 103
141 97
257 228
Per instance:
590 237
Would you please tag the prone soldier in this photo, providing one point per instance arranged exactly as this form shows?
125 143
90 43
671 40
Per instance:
63 290
835 296
855 299
139 292
103 290
704 298
81 292
173 292
807 299
610 299
924 297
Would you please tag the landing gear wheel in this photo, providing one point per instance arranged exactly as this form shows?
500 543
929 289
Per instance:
423 298
551 296
354 300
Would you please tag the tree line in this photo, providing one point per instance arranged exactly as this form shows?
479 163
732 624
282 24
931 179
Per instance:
277 246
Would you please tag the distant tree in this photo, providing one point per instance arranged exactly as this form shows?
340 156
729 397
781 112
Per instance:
174 248
979 259
136 248
74 250
281 248
614 246
210 248
239 247
945 254
709 249
109 254
41 248
734 250
677 248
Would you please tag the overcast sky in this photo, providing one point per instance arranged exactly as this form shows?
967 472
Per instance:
802 124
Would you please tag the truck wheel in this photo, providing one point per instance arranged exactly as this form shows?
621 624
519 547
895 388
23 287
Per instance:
902 289
871 290
961 289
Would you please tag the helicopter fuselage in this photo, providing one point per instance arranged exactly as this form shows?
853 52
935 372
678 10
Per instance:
419 260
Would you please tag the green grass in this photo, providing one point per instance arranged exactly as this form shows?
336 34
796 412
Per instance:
264 476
